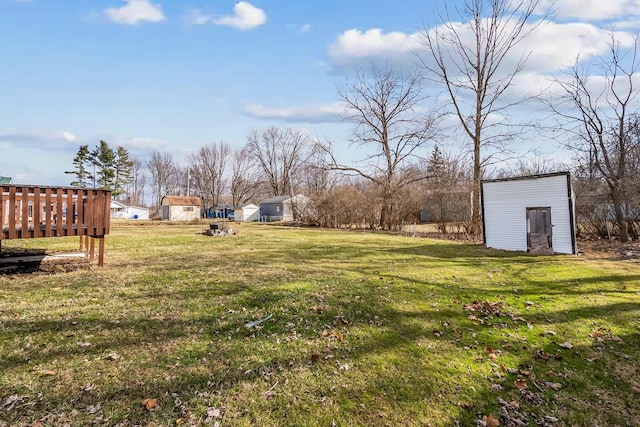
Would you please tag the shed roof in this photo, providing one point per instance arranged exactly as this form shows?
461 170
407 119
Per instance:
519 178
182 200
280 199
276 199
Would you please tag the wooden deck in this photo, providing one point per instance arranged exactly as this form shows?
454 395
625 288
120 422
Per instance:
28 211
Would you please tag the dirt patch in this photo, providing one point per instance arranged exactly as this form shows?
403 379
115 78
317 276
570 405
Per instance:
31 261
612 250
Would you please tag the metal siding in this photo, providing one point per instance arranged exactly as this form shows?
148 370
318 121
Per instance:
271 209
505 204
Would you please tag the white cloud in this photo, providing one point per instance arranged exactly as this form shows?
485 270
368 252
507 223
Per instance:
38 139
592 10
302 29
552 46
306 28
144 144
353 44
17 135
197 17
245 17
136 11
310 114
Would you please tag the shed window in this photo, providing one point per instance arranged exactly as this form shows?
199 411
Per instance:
187 209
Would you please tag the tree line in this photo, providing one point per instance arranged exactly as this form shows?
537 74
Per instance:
104 167
403 171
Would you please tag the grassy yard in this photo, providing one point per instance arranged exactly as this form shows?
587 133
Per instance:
365 329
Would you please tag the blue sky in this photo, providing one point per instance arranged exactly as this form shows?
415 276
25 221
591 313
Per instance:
178 74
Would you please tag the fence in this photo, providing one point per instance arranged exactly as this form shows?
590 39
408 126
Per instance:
28 212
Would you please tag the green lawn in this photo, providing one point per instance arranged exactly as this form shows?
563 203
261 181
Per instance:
366 329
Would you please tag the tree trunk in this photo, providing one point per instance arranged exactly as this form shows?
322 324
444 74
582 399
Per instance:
476 220
620 218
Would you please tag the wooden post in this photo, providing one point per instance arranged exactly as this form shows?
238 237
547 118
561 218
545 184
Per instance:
101 251
91 249
59 226
2 202
48 213
12 213
24 228
37 210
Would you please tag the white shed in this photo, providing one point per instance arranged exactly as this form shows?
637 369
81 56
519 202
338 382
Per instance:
530 213
181 208
248 212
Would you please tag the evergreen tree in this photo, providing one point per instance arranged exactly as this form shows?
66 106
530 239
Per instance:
436 166
82 163
104 158
123 170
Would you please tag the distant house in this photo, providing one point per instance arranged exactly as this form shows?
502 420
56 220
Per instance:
5 180
281 208
180 208
122 210
530 213
247 213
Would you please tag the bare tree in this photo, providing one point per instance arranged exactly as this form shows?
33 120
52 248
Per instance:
163 170
245 180
604 123
280 153
206 170
535 164
135 188
383 105
472 62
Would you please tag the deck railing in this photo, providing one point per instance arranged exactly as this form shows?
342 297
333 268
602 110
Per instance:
28 211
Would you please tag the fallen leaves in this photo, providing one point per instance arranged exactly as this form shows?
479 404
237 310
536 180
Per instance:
333 335
485 308
531 397
490 421
12 401
542 355
521 384
602 334
149 403
566 345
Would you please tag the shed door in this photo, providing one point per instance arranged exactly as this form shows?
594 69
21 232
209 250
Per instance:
539 230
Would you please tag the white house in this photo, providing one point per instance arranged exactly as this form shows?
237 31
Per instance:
531 213
181 208
121 210
248 212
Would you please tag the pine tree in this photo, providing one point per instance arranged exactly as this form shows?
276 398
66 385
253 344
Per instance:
104 158
436 167
82 163
123 170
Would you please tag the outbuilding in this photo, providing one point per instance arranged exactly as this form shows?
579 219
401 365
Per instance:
247 213
530 213
123 210
282 208
181 208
